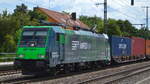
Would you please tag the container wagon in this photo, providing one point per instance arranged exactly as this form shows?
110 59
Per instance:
138 48
120 49
148 49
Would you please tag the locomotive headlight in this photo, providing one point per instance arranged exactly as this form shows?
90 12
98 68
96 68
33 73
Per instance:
41 56
21 55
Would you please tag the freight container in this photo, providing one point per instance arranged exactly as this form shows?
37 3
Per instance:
120 48
148 49
138 48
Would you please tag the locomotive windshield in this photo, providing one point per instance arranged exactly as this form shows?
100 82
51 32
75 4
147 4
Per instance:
33 38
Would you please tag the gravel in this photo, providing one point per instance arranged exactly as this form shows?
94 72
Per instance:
135 79
77 78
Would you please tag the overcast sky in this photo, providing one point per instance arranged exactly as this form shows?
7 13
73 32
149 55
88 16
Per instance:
117 9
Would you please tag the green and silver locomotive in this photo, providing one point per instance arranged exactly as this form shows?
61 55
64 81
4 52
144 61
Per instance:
47 48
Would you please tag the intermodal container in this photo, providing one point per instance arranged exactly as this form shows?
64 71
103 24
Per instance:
120 46
148 47
138 46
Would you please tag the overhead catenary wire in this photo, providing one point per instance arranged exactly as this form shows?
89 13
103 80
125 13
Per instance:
143 12
134 18
135 12
33 2
125 14
126 5
127 2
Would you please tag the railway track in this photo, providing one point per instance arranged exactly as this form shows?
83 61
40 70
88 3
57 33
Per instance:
129 74
7 68
9 72
110 78
103 76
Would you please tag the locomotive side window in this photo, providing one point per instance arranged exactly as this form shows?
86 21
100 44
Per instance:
57 37
28 33
41 33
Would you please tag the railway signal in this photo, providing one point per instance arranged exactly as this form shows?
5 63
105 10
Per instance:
132 2
73 15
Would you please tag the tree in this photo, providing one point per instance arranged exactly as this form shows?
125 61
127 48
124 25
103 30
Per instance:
11 25
126 28
9 45
92 22
8 26
113 28
37 15
21 9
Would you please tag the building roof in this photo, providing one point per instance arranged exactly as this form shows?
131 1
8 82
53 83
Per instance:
63 18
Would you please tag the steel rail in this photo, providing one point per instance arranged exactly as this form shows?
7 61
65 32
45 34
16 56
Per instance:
9 72
121 74
129 75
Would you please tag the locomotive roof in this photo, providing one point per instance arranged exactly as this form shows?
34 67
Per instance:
58 29
76 32
37 26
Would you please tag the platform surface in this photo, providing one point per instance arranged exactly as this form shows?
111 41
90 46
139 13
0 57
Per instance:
6 63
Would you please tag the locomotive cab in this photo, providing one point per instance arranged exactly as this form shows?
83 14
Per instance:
32 47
